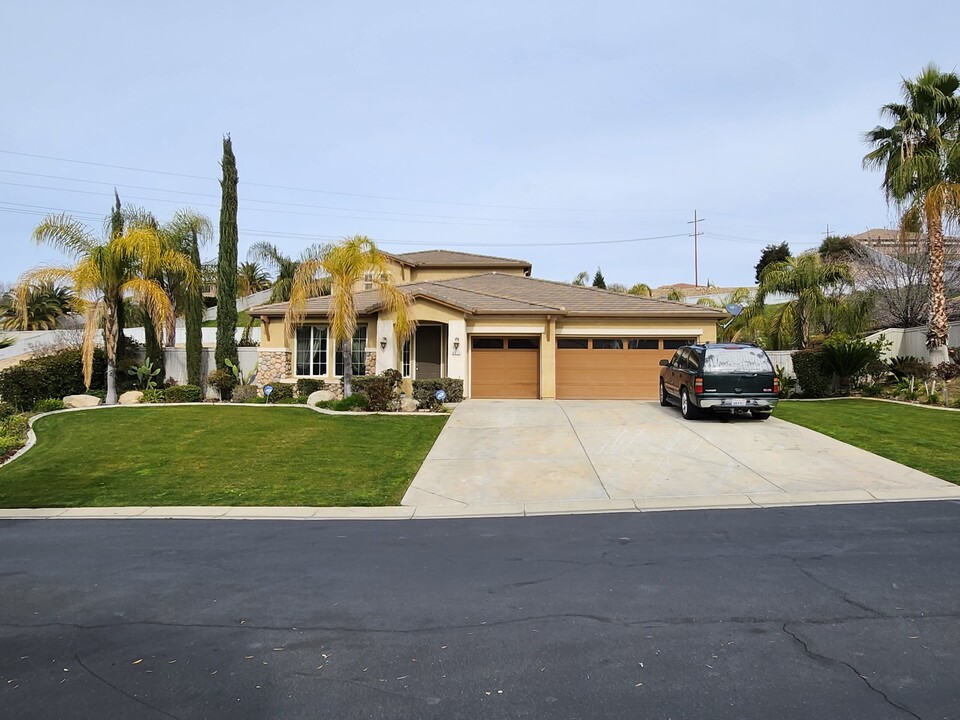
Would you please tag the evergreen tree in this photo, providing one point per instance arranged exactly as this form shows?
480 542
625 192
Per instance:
598 281
771 254
116 230
227 262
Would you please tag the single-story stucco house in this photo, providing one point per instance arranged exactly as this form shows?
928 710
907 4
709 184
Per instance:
505 334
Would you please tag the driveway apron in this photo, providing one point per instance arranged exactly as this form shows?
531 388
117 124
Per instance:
519 451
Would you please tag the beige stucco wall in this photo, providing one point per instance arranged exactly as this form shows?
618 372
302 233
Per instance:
427 274
703 329
272 335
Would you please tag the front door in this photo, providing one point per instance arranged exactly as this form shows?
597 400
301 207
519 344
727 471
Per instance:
428 352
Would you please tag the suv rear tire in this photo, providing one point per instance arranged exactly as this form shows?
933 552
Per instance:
687 408
664 400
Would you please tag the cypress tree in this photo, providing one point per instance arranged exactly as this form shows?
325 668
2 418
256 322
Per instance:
194 319
598 281
116 229
227 260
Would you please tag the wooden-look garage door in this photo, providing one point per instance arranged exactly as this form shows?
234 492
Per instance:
612 368
505 367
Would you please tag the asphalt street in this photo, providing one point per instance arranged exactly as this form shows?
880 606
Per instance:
806 612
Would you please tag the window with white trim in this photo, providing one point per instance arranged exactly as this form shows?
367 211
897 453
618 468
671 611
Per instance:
358 355
406 358
311 350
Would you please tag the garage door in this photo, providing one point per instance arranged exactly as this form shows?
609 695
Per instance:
505 367
612 368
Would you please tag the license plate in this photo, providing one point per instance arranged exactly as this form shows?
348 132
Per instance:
738 402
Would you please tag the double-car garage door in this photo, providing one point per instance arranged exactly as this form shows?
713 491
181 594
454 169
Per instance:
586 367
608 368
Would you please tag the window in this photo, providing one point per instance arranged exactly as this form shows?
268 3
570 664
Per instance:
572 343
406 358
368 281
359 354
676 343
722 361
482 343
643 344
312 350
523 344
607 344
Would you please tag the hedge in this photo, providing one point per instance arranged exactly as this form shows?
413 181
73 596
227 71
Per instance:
814 378
424 391
183 394
51 376
281 391
307 386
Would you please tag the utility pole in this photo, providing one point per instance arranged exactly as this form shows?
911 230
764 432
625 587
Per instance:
696 236
827 233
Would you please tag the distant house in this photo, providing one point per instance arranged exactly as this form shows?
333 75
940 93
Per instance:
484 320
893 242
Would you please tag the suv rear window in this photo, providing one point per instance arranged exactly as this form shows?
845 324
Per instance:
722 361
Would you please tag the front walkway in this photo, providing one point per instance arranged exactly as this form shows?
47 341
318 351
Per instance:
584 454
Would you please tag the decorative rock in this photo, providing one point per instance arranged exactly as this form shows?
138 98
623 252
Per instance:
131 397
79 401
319 395
409 405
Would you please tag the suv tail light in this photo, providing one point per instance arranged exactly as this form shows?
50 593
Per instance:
698 385
776 386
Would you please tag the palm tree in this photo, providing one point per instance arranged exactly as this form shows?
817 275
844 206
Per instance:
919 155
184 233
807 279
340 267
284 266
581 279
104 271
641 289
251 278
676 295
38 309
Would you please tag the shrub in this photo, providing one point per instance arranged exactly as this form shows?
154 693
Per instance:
48 405
357 401
153 395
281 391
424 391
847 359
49 376
244 393
183 394
872 390
224 382
306 386
292 401
905 366
788 383
13 434
6 410
812 375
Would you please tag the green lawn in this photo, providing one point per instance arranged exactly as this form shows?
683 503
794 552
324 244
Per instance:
242 318
217 455
925 439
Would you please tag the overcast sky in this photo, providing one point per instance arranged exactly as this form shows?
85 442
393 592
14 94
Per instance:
567 134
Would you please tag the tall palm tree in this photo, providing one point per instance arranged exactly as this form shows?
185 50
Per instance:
125 264
581 279
808 280
641 289
251 278
919 155
340 267
185 233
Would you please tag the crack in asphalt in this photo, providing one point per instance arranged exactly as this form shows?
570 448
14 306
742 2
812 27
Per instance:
866 681
121 691
840 593
646 622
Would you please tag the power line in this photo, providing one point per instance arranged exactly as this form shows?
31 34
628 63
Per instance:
311 190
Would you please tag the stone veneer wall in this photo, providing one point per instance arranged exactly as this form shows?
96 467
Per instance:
371 363
274 366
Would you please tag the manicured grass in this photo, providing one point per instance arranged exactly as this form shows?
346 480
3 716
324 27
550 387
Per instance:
217 455
924 439
242 318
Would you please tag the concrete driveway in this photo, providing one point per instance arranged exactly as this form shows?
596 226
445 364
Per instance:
584 454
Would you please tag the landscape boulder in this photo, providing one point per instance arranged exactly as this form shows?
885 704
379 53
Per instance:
81 401
409 405
320 395
131 397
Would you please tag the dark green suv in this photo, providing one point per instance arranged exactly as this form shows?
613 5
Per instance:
733 378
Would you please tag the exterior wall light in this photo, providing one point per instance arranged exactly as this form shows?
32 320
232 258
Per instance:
383 343
456 343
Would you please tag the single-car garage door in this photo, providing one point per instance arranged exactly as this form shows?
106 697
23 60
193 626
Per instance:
505 367
612 368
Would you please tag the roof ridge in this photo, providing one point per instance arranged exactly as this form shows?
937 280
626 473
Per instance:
461 252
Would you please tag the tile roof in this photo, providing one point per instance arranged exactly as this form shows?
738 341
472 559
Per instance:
452 258
499 294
